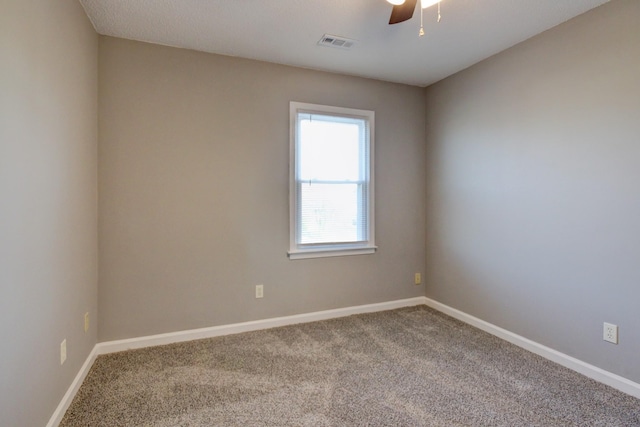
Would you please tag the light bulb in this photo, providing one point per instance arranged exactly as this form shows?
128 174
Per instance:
426 3
396 2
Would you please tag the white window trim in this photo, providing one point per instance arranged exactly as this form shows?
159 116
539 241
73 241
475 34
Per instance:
329 250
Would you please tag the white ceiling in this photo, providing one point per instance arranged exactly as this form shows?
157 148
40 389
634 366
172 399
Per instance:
287 31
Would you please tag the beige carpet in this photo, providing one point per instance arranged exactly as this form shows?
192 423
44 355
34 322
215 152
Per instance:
406 367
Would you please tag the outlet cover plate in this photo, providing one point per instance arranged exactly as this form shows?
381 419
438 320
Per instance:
610 333
63 351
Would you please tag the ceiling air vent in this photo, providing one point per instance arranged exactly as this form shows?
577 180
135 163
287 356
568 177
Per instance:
338 42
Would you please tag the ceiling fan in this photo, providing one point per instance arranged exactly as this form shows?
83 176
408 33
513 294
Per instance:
403 9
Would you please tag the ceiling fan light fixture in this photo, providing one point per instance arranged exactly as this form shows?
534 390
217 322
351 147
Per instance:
426 3
396 2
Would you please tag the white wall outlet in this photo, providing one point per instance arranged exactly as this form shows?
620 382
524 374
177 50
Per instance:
417 279
610 333
259 291
63 351
86 321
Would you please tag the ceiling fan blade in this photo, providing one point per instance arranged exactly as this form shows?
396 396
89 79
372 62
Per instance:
402 12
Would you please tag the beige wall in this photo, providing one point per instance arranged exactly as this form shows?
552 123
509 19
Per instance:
534 197
48 203
193 173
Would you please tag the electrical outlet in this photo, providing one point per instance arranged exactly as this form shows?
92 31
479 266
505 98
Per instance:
259 291
86 321
417 279
63 351
610 333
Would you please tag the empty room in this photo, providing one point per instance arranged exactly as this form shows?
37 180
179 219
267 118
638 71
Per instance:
319 213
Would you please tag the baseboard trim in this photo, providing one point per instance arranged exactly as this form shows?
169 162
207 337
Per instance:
58 414
598 374
616 381
216 331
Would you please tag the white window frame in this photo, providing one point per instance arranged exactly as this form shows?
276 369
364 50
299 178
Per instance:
302 251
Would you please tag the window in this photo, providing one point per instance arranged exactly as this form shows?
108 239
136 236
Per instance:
331 181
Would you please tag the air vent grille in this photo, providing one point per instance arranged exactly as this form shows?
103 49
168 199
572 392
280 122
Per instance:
329 40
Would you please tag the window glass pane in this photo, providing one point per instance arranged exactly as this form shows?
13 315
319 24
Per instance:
329 213
329 150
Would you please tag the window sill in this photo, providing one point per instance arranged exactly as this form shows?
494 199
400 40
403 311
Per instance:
330 252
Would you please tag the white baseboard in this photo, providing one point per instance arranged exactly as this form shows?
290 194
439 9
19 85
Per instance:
216 331
598 374
593 372
58 414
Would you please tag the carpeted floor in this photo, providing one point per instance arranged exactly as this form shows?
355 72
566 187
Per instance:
406 367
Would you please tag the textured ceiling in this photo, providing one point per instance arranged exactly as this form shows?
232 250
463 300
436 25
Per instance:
287 31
